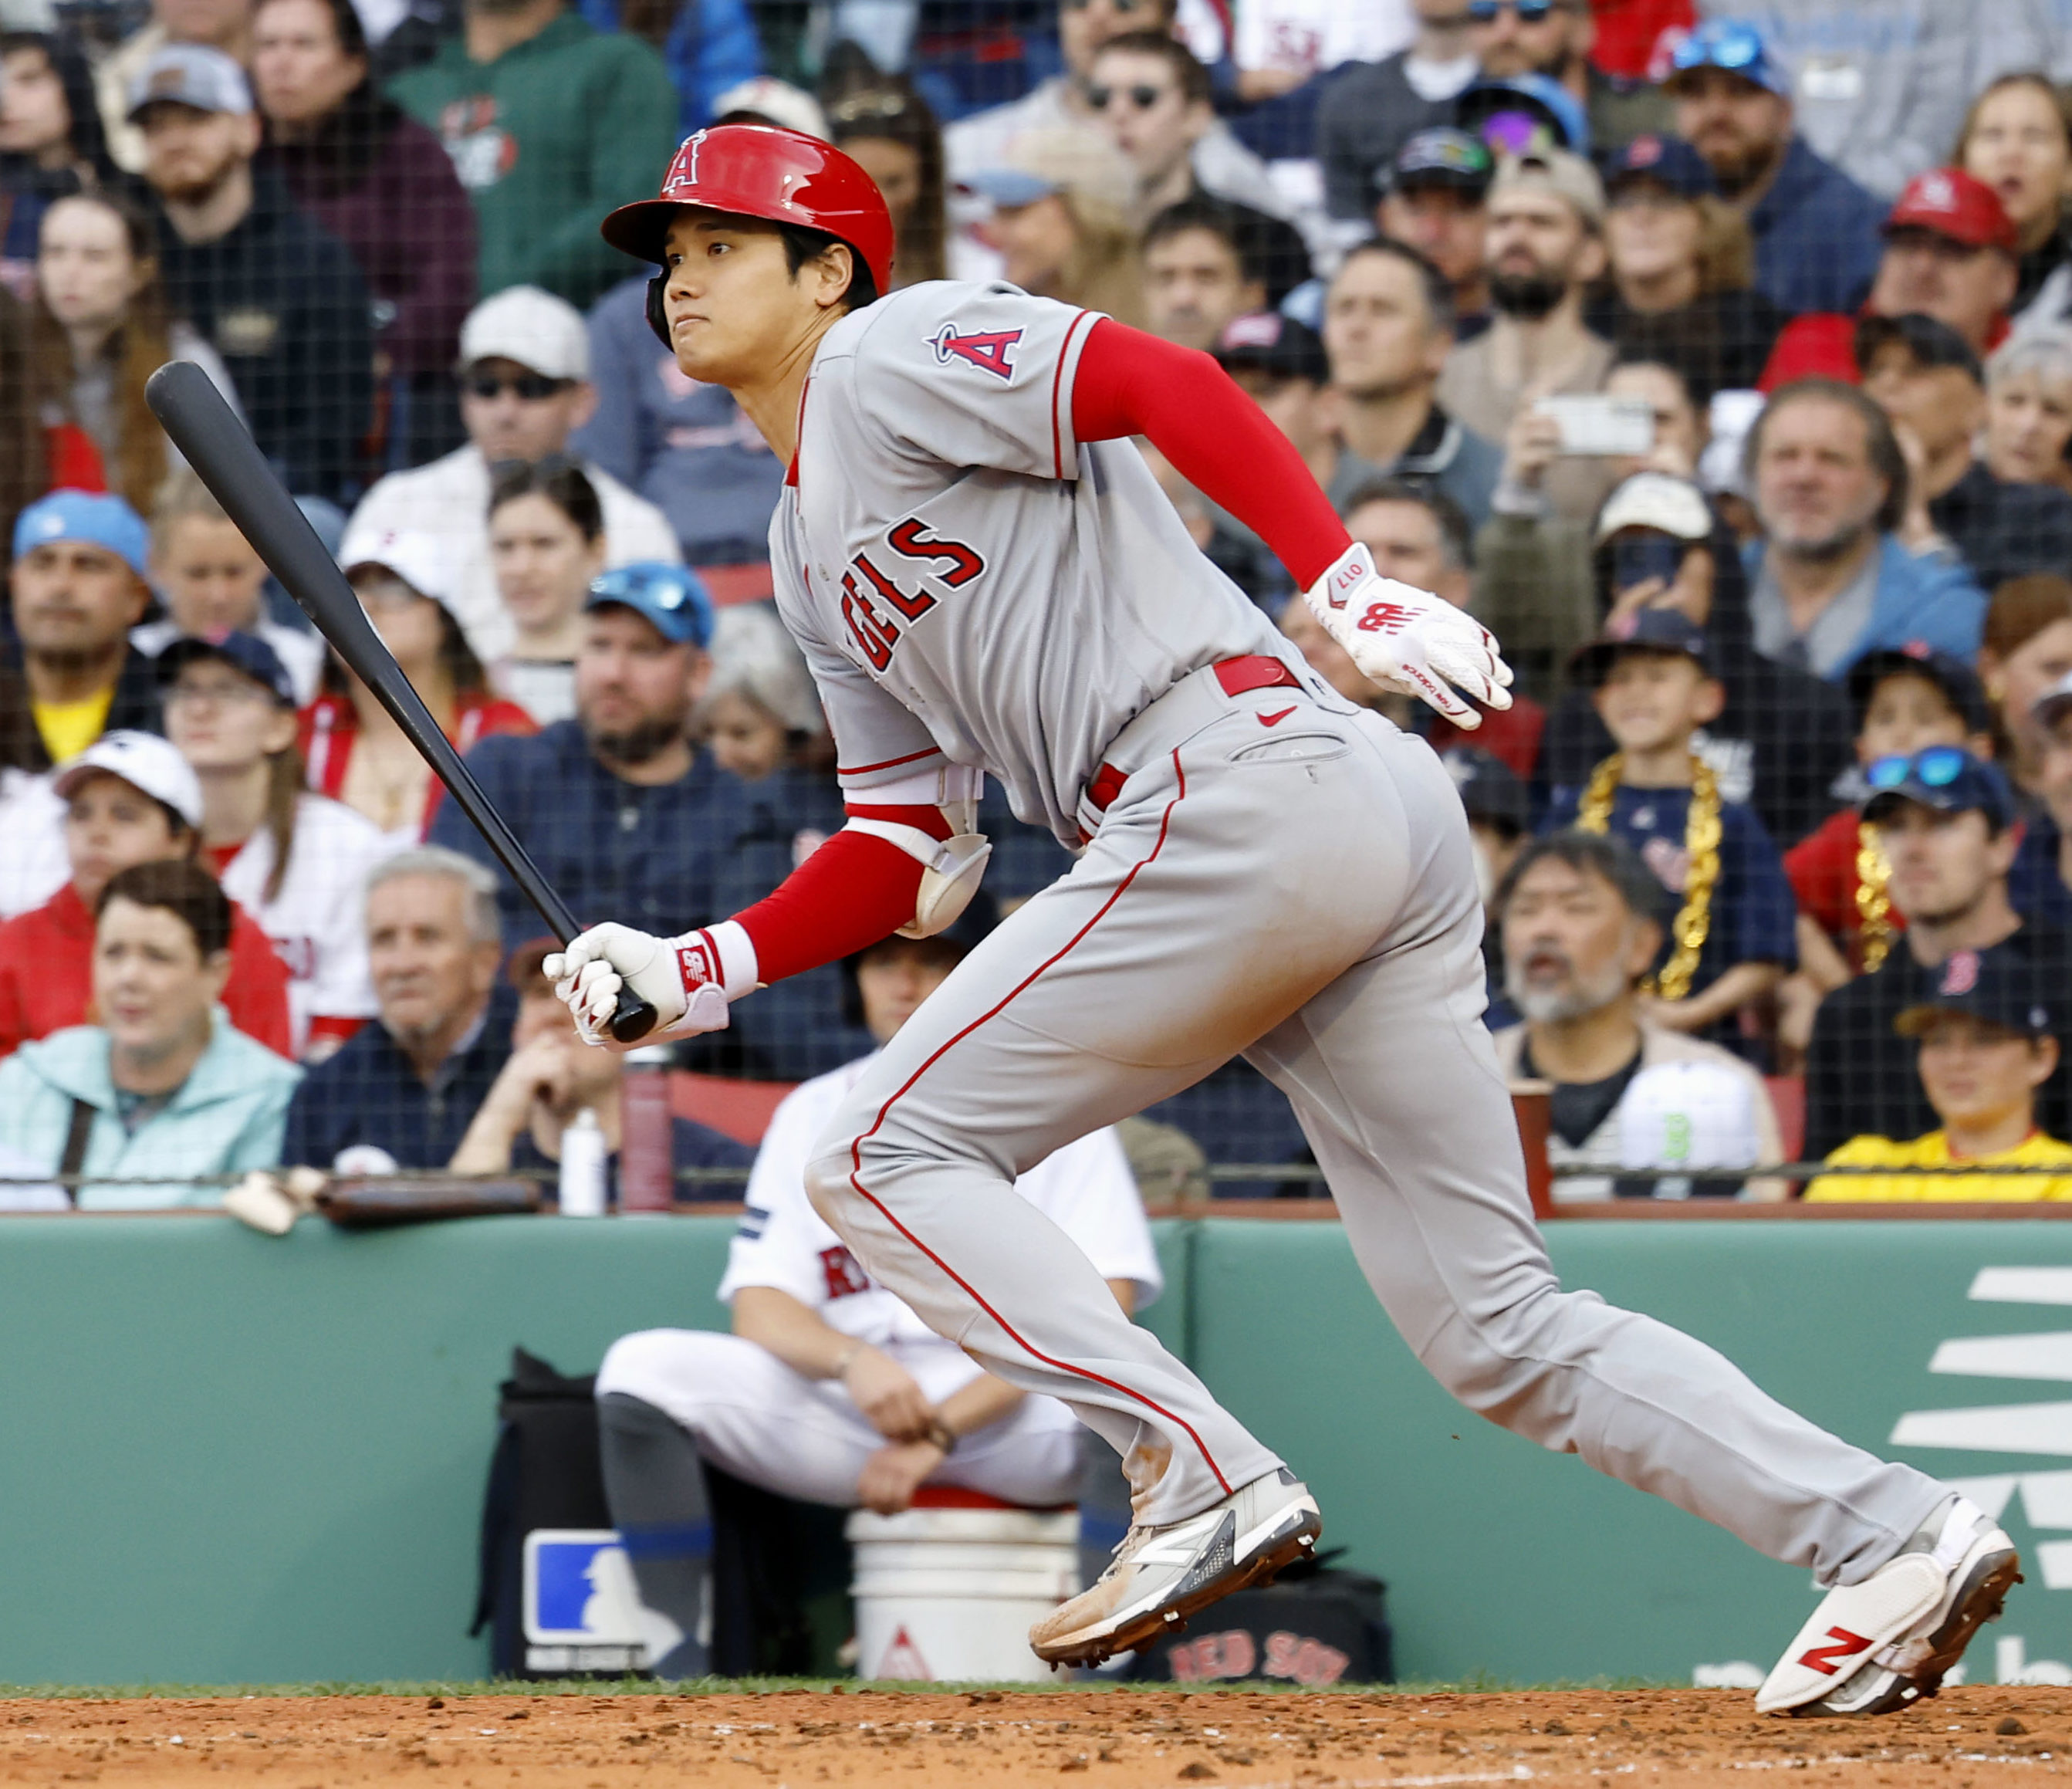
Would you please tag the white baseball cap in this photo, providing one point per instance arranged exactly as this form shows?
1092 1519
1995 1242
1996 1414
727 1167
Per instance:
1657 500
142 760
420 560
538 329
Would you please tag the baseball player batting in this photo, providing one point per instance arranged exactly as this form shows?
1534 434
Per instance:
986 580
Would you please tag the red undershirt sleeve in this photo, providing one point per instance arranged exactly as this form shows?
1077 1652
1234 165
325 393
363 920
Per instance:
855 891
1129 383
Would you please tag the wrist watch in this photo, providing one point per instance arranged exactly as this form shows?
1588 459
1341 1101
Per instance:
942 1435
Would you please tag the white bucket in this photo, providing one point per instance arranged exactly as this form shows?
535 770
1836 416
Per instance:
948 1595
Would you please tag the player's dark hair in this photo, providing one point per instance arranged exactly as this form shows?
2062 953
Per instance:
1438 290
1188 72
181 887
1887 460
1456 533
560 479
803 245
1603 854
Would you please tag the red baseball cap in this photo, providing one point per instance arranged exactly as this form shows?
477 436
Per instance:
1951 203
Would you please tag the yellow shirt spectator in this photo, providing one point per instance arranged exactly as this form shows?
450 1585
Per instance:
1933 1151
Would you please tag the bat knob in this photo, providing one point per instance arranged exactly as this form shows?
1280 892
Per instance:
634 1018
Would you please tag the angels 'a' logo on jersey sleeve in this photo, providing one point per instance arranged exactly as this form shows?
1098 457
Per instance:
988 352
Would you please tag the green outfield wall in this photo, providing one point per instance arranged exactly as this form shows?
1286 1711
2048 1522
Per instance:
224 1458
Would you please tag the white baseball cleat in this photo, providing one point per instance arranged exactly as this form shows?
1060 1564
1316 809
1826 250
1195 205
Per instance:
1161 1576
1877 1645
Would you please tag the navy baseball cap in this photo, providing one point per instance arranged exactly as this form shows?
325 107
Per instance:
1734 45
1457 160
670 598
1957 681
1668 630
1269 343
1930 342
1946 778
245 652
1988 984
1489 788
87 515
1667 161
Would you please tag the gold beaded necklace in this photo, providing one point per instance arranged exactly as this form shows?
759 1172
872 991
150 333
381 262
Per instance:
1701 847
1873 904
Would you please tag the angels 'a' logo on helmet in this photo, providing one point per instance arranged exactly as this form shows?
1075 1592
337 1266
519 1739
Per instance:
684 172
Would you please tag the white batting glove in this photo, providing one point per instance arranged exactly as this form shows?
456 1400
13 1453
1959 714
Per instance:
676 976
1409 641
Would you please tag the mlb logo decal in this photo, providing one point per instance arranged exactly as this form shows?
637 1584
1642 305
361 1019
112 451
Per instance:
581 1610
988 353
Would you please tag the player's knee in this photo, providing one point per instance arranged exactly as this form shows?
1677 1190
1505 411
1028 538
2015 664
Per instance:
662 1366
829 1189
1495 1361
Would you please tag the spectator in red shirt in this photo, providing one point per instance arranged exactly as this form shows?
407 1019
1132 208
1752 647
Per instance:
1949 253
131 798
1906 701
355 753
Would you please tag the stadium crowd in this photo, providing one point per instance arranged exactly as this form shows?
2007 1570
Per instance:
1720 359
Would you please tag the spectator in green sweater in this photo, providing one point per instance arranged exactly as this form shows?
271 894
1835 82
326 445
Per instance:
550 123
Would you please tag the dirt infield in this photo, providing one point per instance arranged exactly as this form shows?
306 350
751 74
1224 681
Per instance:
1968 1739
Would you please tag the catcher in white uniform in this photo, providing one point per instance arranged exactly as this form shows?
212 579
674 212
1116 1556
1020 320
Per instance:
987 581
829 1389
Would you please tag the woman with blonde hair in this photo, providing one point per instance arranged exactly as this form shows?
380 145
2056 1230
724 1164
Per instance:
1680 263
99 328
1061 221
2017 138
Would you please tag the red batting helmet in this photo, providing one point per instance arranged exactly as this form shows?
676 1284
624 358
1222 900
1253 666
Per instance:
760 171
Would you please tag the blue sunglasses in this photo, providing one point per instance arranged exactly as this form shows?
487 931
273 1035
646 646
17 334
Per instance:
1720 43
1529 12
1935 768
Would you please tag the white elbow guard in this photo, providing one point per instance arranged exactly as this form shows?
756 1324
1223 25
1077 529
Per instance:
950 871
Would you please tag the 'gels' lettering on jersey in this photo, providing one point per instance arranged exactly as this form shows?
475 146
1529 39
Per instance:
987 351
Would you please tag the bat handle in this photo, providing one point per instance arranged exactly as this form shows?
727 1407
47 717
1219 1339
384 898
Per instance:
634 1019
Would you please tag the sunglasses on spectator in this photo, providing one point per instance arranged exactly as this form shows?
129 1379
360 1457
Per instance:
1143 95
1719 44
1529 12
534 388
1937 767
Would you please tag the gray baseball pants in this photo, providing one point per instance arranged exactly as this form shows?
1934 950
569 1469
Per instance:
1299 889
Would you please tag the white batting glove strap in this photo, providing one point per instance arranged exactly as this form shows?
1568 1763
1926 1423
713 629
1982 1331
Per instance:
688 981
1409 641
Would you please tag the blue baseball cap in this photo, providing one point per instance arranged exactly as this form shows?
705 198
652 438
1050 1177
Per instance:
1668 632
99 520
1524 114
1734 45
669 598
1668 161
1992 985
1945 778
245 652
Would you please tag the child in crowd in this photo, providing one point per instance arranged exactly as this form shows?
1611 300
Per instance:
130 799
1986 1048
297 860
1731 940
212 582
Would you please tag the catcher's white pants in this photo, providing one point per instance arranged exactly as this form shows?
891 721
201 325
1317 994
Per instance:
754 1416
1299 889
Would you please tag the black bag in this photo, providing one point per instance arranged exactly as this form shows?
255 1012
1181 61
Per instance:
1316 1625
780 1569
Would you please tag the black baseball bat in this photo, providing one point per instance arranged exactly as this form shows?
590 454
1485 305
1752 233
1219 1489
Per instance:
221 450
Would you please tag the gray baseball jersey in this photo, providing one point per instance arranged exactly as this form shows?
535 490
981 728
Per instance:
964 575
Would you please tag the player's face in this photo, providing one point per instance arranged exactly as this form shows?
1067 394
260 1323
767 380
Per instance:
544 564
1966 288
153 988
1650 701
431 976
1377 330
1571 945
1446 226
209 574
1943 865
189 154
300 72
72 597
895 976
85 269
745 738
1907 715
1976 1073
736 311
1193 286
110 825
222 721
511 411
2028 422
34 116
